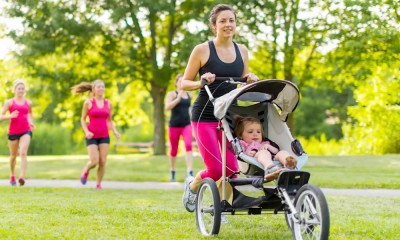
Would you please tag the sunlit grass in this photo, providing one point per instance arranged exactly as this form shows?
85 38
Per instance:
66 213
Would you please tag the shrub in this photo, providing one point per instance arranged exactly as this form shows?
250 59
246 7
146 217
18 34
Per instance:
50 139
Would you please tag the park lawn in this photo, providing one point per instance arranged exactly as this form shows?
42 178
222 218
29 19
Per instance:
67 213
326 171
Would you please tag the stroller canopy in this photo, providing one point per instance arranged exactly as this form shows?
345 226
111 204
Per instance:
284 94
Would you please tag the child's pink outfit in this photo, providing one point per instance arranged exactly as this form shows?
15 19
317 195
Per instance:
253 146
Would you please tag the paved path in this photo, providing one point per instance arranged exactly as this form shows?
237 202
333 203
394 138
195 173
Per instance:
179 186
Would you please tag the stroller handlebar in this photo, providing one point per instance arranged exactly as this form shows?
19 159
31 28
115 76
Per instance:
232 80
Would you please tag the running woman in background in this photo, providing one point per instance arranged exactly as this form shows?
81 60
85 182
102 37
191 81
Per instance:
179 103
98 110
20 129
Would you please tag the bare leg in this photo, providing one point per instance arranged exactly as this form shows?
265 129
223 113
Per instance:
24 142
172 162
194 185
93 151
264 157
104 149
13 146
286 159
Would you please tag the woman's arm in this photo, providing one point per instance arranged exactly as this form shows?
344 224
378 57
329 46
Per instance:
172 100
3 115
85 109
197 58
30 116
110 123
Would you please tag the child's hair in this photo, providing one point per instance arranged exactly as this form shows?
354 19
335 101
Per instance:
17 82
241 121
85 86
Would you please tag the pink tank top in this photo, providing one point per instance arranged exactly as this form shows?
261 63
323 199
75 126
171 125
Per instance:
19 124
98 119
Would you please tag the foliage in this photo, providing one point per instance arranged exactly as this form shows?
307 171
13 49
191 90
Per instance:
46 139
120 42
322 146
50 139
138 133
375 122
3 136
332 49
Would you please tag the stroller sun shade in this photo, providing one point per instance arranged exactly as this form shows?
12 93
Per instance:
284 94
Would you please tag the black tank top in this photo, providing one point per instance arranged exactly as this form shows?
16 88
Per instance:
180 113
220 69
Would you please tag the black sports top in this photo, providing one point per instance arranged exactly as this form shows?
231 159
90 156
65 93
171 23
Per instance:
180 113
220 69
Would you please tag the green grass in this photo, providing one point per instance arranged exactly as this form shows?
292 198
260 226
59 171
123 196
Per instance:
64 213
326 171
355 171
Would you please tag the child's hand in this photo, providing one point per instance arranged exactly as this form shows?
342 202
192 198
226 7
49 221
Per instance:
264 147
252 153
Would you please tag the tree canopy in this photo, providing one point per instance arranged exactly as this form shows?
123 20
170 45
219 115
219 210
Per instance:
342 54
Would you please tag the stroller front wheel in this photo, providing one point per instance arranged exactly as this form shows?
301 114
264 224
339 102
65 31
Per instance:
208 208
312 218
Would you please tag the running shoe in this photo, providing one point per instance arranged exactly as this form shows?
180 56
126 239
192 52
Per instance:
189 197
98 187
272 172
224 219
21 181
12 181
172 176
84 177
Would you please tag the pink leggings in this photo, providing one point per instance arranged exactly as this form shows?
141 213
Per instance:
209 142
174 133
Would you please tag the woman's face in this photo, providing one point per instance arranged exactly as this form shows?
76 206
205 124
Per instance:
225 25
19 90
252 132
99 89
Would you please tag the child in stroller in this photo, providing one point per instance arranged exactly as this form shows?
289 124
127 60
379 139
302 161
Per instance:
251 134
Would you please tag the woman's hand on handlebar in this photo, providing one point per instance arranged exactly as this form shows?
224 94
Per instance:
251 78
209 77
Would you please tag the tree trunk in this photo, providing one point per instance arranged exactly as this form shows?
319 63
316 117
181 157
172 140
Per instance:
158 94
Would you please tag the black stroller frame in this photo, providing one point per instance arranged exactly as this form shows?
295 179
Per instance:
304 205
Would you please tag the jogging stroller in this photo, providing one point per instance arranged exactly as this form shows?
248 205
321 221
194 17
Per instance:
304 205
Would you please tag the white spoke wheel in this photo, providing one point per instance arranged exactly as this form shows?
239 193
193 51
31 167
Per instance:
208 208
288 216
312 214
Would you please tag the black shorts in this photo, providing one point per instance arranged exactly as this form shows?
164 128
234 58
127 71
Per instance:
13 137
97 141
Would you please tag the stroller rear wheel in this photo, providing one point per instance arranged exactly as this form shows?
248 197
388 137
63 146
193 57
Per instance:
208 208
312 214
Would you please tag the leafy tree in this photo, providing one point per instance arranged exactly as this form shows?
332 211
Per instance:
127 43
375 122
